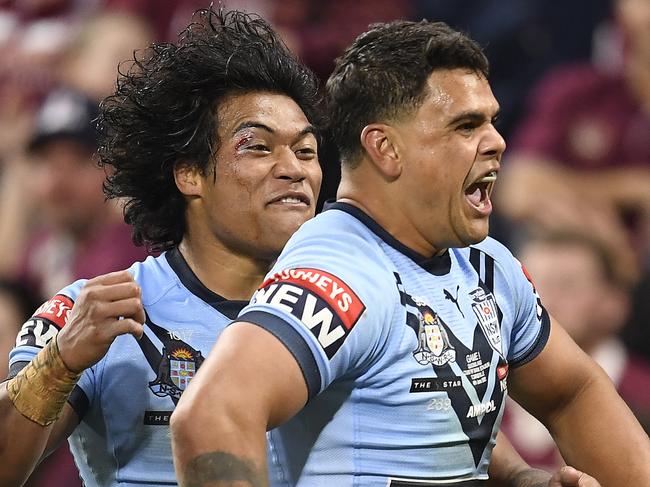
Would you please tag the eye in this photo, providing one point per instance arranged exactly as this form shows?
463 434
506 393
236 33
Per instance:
258 147
306 153
466 127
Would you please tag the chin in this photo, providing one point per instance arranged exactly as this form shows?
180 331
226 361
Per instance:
475 235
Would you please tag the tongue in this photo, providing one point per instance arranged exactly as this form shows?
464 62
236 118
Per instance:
473 194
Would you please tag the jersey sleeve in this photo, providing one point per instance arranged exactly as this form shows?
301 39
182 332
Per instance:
531 324
39 330
325 301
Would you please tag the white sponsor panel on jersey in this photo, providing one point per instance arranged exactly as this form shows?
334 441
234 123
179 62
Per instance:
322 302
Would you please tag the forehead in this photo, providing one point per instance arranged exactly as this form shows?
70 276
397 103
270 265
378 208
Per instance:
278 112
454 91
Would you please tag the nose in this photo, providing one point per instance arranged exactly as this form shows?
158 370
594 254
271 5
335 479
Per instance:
289 167
493 144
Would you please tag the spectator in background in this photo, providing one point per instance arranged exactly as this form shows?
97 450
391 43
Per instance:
584 147
32 36
47 43
76 233
574 276
49 186
102 43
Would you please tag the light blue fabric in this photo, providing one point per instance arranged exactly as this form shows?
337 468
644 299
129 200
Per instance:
114 445
407 374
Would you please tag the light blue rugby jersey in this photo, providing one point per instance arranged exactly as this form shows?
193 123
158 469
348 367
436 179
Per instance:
405 358
125 400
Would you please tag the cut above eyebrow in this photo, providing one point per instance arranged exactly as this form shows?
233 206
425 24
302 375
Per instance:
309 129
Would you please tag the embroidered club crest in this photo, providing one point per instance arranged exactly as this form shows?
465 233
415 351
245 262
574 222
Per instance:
433 342
485 308
181 368
178 365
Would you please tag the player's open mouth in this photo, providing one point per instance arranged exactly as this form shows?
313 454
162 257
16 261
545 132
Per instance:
478 193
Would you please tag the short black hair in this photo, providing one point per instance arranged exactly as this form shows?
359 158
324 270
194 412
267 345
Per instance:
164 112
383 75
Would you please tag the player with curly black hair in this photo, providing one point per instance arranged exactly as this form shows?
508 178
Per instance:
211 142
162 114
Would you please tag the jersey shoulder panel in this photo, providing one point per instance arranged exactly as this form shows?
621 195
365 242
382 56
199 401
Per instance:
328 291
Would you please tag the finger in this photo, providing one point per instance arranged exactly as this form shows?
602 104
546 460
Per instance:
111 278
140 316
570 477
124 308
111 292
127 325
587 481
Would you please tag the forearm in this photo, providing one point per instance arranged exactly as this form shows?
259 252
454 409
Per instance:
22 442
32 406
625 187
596 432
531 477
213 448
508 469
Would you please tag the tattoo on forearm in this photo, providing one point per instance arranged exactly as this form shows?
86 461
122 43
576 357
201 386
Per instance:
217 468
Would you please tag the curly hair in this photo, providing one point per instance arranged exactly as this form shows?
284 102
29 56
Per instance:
163 112
383 74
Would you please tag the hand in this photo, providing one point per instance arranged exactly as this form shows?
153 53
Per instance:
570 477
107 306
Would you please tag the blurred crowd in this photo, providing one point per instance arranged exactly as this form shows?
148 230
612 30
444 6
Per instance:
573 197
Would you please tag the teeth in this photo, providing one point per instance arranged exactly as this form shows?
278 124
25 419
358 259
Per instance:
291 199
489 178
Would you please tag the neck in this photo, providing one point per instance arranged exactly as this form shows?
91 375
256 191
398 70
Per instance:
224 272
358 188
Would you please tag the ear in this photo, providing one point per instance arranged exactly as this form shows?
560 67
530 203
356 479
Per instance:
188 179
378 140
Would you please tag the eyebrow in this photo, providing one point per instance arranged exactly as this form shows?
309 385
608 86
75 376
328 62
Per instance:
309 129
471 116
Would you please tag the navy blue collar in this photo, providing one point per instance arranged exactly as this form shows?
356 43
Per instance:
224 306
438 265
